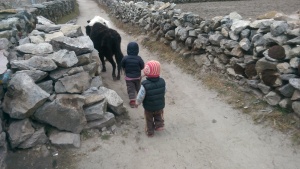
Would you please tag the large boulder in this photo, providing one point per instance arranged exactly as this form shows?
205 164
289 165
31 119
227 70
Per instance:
65 113
19 131
23 97
77 83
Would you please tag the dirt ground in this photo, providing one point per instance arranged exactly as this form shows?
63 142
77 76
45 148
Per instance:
247 8
202 131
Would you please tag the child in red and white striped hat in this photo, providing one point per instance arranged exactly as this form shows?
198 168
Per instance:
152 95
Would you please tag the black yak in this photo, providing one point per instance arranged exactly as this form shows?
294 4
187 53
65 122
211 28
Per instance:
108 43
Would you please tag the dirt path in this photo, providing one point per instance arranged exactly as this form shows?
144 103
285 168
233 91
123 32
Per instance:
201 130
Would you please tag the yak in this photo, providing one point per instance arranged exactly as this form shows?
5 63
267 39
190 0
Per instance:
108 43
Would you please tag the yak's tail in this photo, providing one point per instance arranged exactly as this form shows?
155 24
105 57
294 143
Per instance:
118 52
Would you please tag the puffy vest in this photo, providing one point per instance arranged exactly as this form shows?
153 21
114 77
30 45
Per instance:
155 94
133 66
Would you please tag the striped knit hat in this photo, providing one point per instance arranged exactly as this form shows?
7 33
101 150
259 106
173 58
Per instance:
152 69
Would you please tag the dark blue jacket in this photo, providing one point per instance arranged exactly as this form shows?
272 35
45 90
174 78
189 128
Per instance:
132 63
155 94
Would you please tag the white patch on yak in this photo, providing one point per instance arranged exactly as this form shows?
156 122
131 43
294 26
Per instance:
100 20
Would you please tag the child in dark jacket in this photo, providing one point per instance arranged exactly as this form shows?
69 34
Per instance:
152 95
132 64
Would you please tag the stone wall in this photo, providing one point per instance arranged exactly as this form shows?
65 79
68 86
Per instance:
181 1
17 23
263 54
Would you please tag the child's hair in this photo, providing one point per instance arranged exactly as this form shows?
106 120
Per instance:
152 69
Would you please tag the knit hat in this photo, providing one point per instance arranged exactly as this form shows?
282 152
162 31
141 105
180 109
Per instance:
152 69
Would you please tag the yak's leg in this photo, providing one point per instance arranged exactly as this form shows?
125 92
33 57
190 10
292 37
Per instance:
101 55
119 71
111 60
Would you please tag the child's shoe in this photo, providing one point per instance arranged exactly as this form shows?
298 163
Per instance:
132 103
159 129
150 134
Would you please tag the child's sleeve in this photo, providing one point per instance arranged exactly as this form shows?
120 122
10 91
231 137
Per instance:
141 95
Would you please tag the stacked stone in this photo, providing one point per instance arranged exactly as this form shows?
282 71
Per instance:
55 86
263 54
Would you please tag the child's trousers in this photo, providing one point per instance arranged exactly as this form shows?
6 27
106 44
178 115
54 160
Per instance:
154 120
133 87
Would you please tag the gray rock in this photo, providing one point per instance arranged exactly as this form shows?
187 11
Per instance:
75 70
278 28
37 49
287 90
202 60
235 16
50 36
65 139
228 44
295 41
37 138
3 62
35 62
262 24
245 44
239 25
294 62
245 33
71 31
170 35
96 111
296 107
92 96
59 73
294 51
215 39
107 121
19 131
218 64
264 88
4 44
287 77
64 58
84 59
262 64
36 39
253 83
285 68
47 86
280 40
286 103
79 45
91 68
64 113
23 97
115 102
36 75
44 21
24 41
233 36
77 83
237 52
296 95
295 82
272 98
97 82
47 28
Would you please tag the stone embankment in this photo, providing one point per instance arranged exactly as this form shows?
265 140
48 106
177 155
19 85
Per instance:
55 89
263 54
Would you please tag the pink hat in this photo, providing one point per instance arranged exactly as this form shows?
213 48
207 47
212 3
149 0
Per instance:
152 69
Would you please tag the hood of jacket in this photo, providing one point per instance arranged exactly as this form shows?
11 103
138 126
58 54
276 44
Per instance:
132 48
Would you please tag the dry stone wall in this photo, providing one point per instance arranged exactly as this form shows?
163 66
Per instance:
15 24
50 84
263 54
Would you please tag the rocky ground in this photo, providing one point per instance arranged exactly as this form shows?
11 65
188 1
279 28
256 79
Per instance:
247 8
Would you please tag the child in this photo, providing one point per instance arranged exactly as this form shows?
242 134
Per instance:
152 95
133 64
